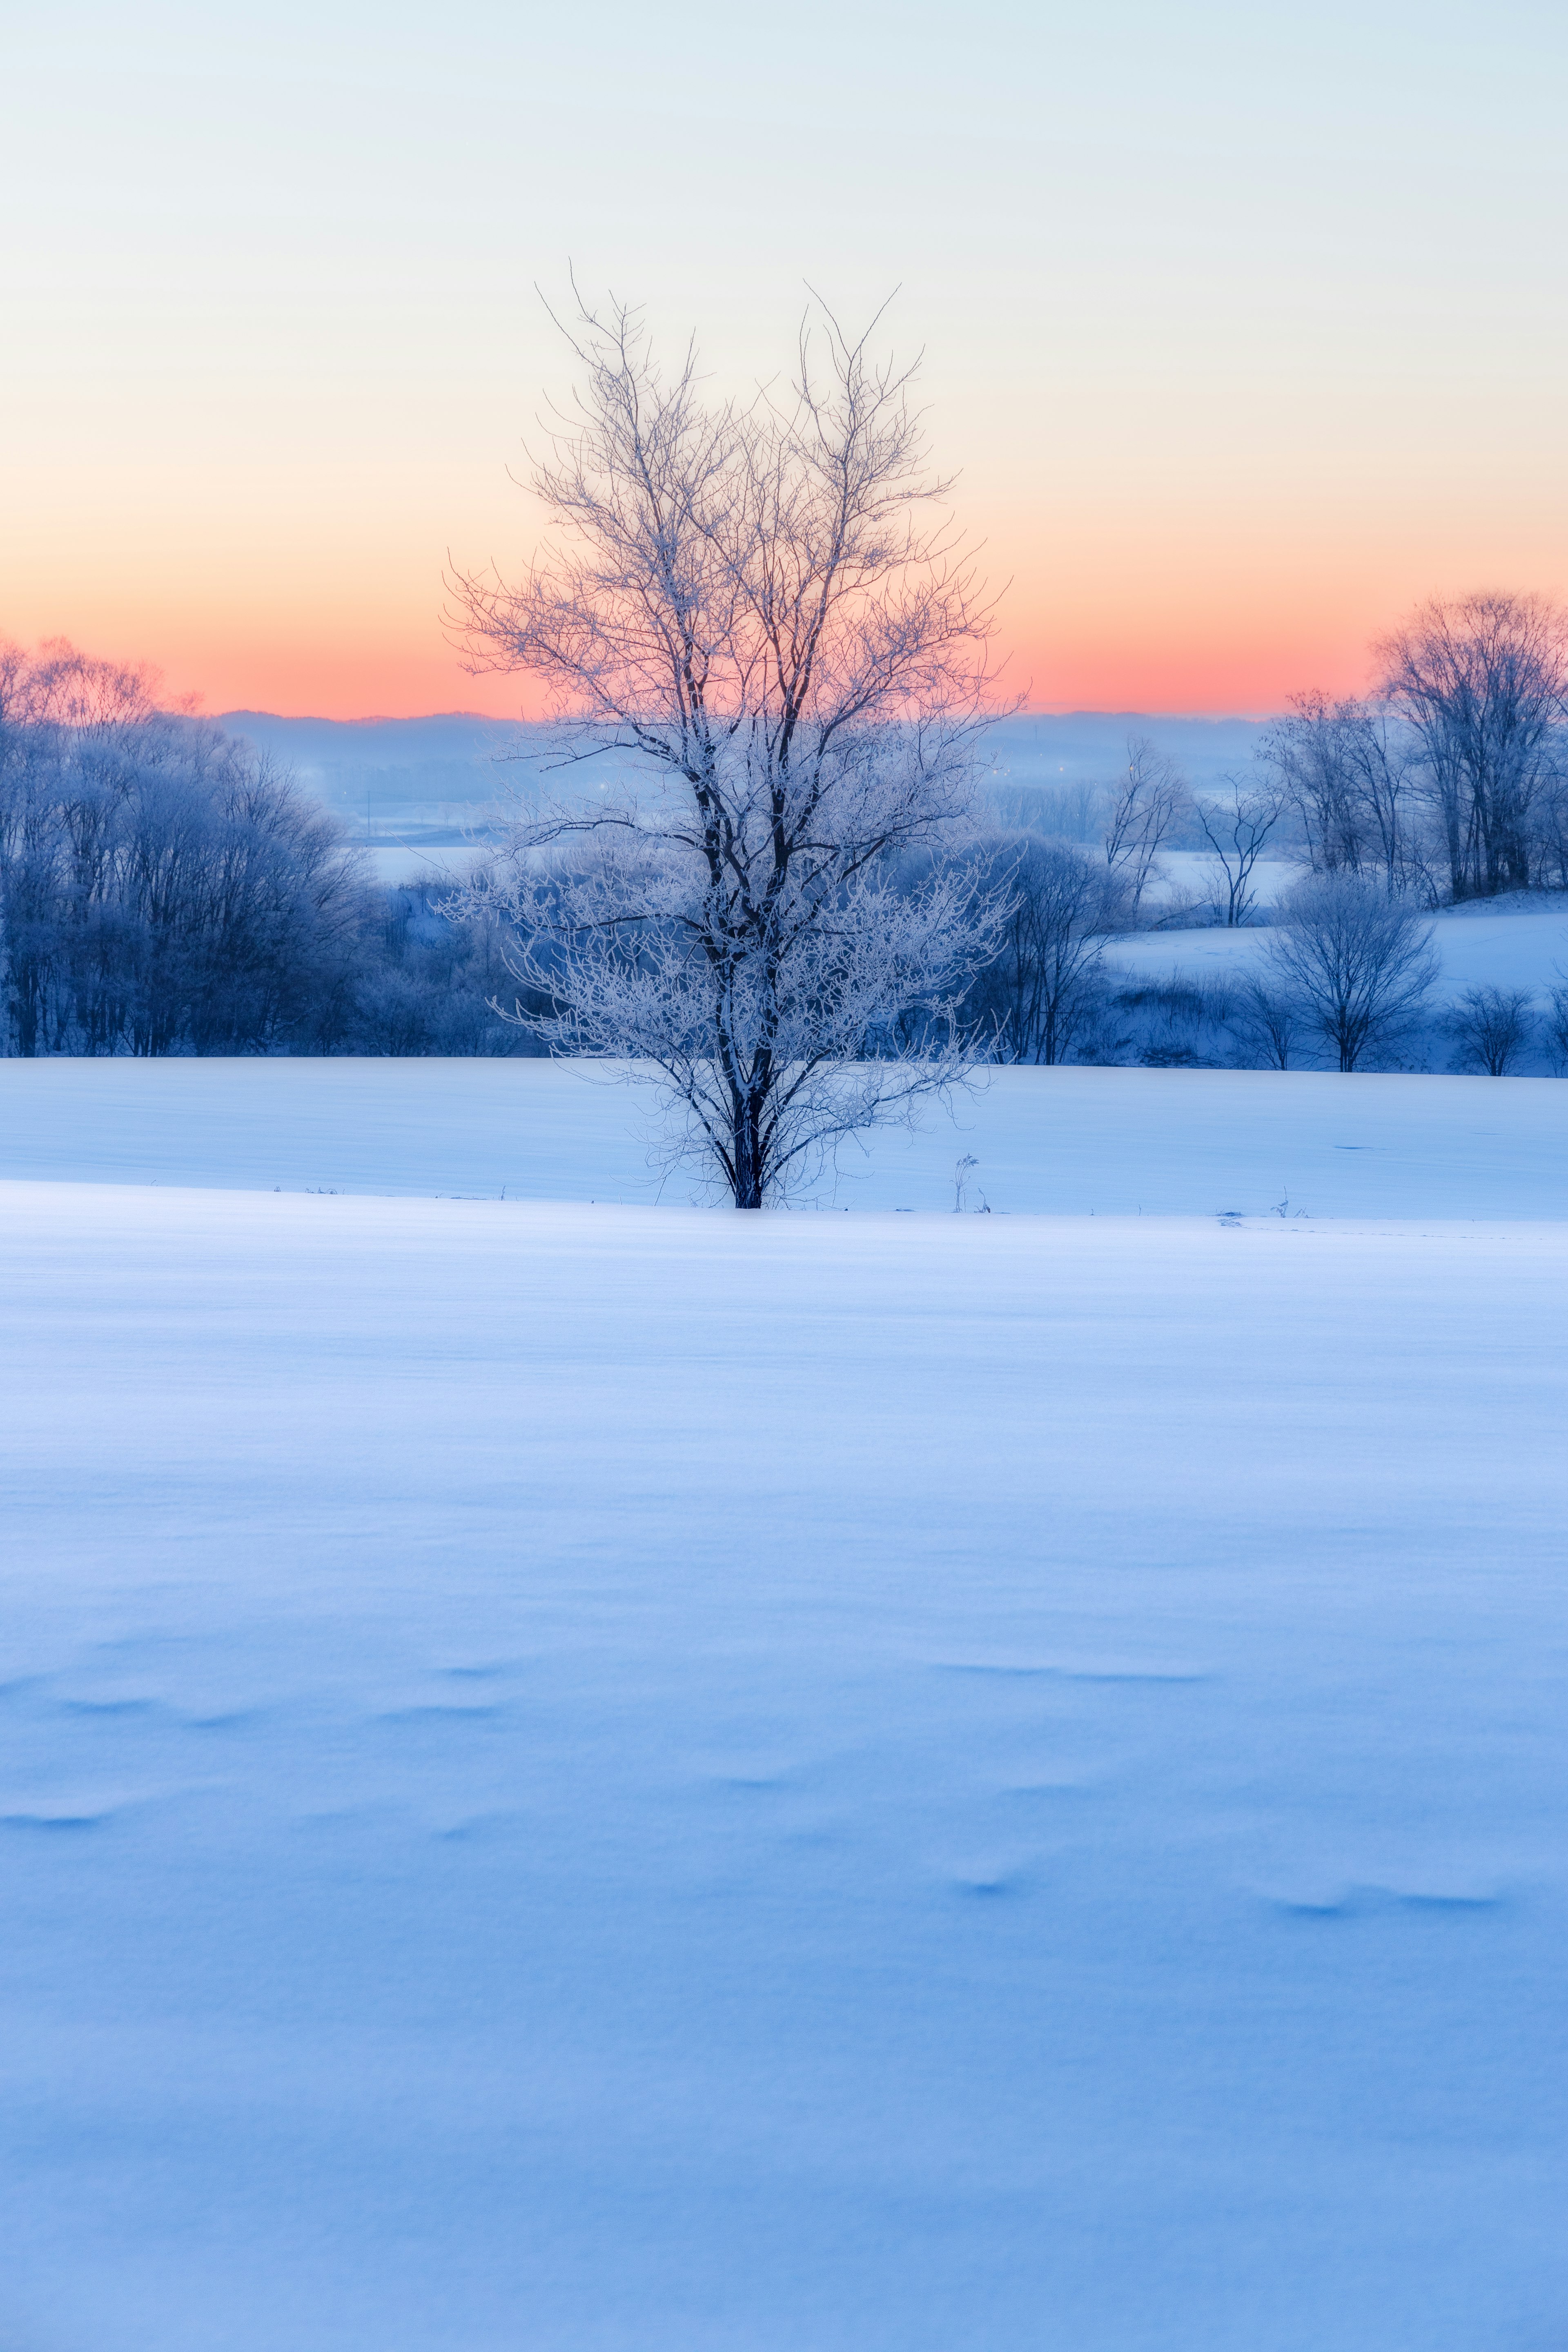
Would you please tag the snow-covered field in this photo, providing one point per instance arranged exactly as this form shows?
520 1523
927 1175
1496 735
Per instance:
1523 944
1072 1142
592 1778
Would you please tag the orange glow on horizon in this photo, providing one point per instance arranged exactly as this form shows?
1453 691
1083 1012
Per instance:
1182 611
1052 668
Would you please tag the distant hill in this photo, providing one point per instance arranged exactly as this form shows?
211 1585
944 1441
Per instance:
391 774
429 778
1085 746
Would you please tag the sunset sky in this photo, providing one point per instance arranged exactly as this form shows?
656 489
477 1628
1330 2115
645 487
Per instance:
1245 324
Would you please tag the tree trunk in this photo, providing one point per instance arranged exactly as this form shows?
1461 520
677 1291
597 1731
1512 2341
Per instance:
746 1126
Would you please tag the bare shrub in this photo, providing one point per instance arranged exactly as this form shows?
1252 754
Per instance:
1493 1029
1270 1024
1179 1022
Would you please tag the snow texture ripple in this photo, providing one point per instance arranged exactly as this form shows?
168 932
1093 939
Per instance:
630 1781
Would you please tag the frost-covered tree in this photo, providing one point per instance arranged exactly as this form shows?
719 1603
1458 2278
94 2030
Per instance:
1142 807
750 616
1483 685
1350 771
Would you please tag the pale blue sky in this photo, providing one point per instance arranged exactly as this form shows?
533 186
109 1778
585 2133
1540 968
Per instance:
1243 323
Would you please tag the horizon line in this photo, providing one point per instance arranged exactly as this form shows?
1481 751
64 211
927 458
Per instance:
488 719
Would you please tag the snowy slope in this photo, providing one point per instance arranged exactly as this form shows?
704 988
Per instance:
1516 946
1068 1140
593 1781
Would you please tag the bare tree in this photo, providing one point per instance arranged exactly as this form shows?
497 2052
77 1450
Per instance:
1236 829
1349 772
1308 753
1144 803
1383 758
1493 1029
745 604
1482 684
1357 964
1041 990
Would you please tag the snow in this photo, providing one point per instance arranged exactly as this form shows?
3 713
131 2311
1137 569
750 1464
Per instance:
643 1780
1509 946
1071 1141
1197 872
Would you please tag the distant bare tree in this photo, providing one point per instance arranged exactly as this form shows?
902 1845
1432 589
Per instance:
1236 827
1356 964
1307 751
1493 1029
1143 805
745 604
1384 758
1482 684
1348 772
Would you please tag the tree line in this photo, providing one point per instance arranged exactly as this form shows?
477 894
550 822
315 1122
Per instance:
1447 783
165 891
1450 782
